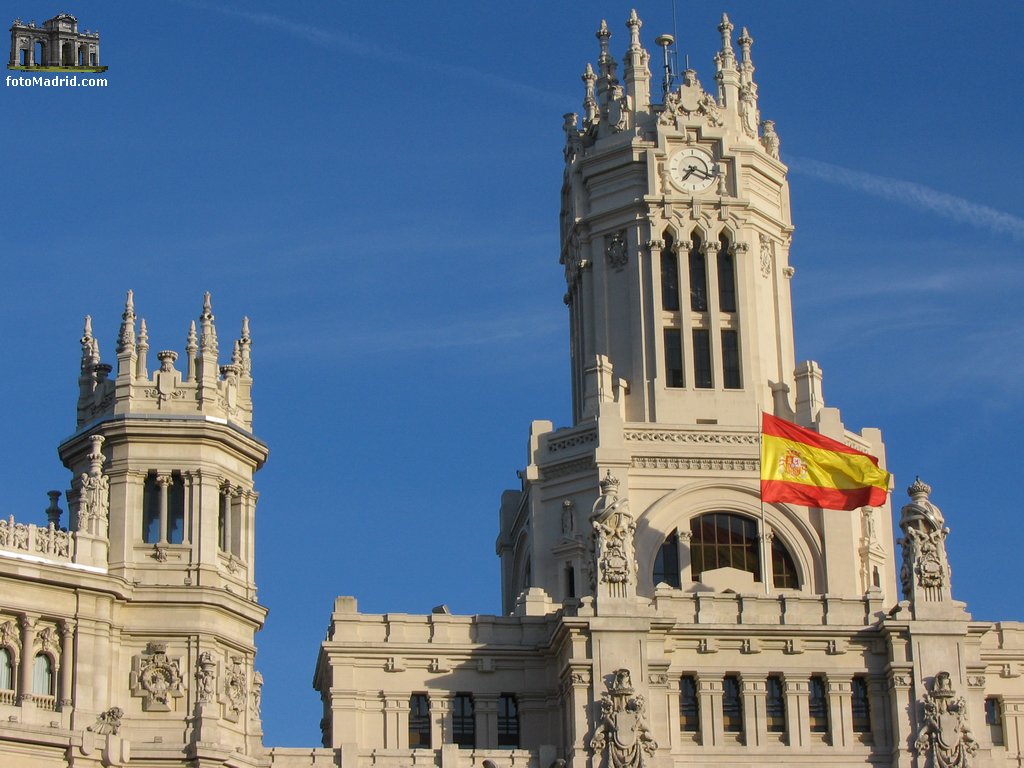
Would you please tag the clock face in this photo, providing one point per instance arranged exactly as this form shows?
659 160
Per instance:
692 170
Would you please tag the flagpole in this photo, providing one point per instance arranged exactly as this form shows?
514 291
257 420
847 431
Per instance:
762 539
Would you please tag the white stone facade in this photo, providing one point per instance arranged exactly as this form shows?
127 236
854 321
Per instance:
656 612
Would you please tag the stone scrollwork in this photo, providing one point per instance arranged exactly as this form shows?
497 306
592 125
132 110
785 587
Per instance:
945 740
156 678
623 735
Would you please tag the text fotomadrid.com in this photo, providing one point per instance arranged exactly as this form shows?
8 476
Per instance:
63 81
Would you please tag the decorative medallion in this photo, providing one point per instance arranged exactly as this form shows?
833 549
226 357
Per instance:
156 678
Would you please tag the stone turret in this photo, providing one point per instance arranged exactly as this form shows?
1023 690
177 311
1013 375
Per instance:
204 387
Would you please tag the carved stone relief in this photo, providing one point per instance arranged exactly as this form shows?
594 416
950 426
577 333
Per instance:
613 538
622 737
945 739
617 251
156 678
767 251
206 677
236 689
108 722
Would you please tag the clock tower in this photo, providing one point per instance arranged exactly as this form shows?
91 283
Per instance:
675 236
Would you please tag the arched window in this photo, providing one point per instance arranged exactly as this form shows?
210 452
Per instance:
666 562
720 540
726 276
6 670
698 276
669 276
419 721
42 675
40 53
784 573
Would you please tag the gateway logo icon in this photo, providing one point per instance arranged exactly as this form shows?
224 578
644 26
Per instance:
56 46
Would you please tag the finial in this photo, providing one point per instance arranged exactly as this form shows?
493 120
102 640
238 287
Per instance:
634 24
245 328
725 28
589 102
610 484
745 41
53 511
126 338
143 342
96 455
243 345
190 342
191 347
919 490
236 353
208 336
605 60
90 349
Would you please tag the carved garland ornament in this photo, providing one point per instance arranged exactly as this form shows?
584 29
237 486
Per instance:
622 734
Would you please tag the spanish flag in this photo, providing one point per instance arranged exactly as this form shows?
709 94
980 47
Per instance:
803 467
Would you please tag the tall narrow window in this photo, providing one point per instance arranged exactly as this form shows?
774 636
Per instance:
784 574
570 581
689 705
150 510
224 520
860 706
702 358
176 509
42 675
673 357
732 705
818 705
698 277
463 721
669 277
994 720
726 276
419 721
6 671
508 721
666 563
775 705
731 360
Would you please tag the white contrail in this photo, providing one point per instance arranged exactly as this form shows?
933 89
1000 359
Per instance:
914 195
352 44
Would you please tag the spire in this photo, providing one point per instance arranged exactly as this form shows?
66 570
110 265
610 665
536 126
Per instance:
208 339
141 348
637 75
90 348
606 64
746 63
191 347
726 57
244 345
634 24
126 337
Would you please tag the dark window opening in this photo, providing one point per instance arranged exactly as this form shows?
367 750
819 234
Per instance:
150 510
732 705
463 721
570 581
666 563
784 573
719 540
775 705
508 721
726 276
818 705
673 358
419 721
669 277
860 706
731 360
698 277
994 720
689 705
176 509
702 358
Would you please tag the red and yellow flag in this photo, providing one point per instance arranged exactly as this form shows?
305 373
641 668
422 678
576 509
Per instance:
803 467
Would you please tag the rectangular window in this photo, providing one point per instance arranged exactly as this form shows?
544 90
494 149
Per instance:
508 721
818 705
732 705
731 360
570 581
775 705
463 721
419 721
176 509
698 278
673 358
860 706
994 720
669 280
689 705
150 510
702 358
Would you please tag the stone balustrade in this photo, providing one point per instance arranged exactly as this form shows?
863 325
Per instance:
49 542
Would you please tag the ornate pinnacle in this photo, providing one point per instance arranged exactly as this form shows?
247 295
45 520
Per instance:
728 57
90 350
190 342
236 353
208 337
634 24
143 343
919 491
245 328
96 456
126 338
243 345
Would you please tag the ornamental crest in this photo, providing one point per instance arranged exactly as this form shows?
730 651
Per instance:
792 466
623 734
156 678
945 737
617 251
235 688
613 538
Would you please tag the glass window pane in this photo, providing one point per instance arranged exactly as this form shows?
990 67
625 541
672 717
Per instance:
463 721
732 705
860 706
669 278
508 721
666 563
689 705
818 706
731 360
775 705
419 721
726 277
42 675
6 671
702 358
698 277
673 357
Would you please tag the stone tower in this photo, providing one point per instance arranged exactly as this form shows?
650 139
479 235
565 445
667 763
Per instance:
675 231
163 501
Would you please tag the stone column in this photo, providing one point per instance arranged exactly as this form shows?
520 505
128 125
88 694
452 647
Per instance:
709 691
67 637
575 700
440 721
798 725
685 558
396 721
755 719
28 643
840 715
901 698
881 732
485 713
164 483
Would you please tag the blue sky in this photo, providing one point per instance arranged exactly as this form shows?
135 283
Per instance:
376 186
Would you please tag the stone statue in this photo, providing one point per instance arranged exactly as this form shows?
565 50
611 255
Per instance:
613 538
945 740
623 735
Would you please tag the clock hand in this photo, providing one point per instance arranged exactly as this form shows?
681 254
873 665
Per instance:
689 172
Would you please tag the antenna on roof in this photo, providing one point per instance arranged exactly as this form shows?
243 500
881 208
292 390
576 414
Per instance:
666 41
675 34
